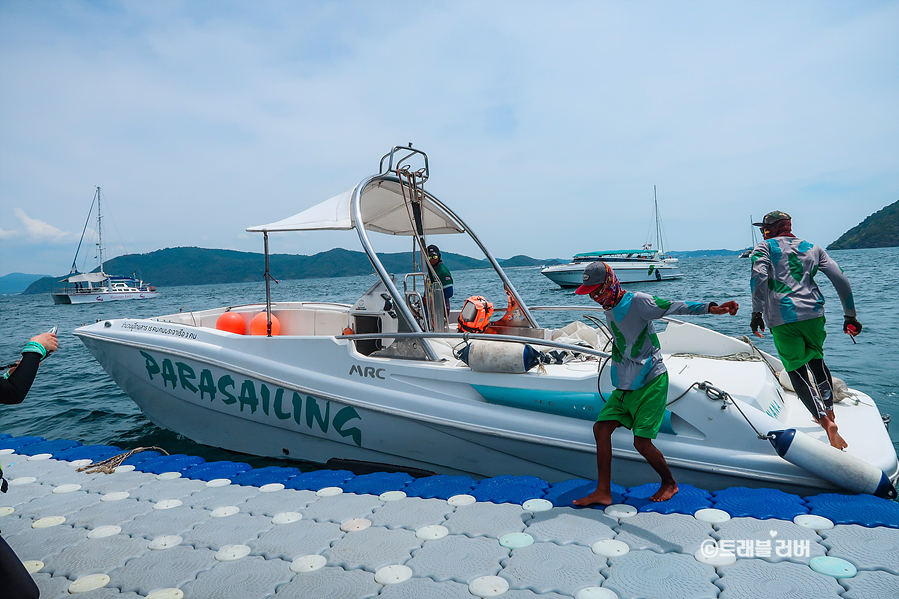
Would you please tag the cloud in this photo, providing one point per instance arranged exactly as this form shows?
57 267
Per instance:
546 129
38 230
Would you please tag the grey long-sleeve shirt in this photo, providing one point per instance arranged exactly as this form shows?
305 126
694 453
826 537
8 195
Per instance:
783 281
636 351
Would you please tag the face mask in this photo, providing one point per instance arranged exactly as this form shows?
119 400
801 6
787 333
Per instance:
782 228
607 295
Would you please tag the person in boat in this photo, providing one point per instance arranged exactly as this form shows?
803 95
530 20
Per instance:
14 386
442 273
786 297
638 373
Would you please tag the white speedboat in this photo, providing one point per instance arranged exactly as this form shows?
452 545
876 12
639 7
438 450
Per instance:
95 287
630 266
382 381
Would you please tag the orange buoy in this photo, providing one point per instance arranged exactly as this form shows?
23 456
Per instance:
259 325
231 322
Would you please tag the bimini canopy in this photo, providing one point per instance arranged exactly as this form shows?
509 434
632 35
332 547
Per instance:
383 210
88 277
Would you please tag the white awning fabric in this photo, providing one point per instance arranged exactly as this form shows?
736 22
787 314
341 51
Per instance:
383 210
87 277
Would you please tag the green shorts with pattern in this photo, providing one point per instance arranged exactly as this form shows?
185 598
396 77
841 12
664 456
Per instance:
640 410
800 342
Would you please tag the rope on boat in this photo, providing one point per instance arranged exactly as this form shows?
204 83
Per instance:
408 178
109 465
602 363
743 356
716 394
745 339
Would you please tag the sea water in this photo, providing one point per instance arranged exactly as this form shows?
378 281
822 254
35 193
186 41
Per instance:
74 398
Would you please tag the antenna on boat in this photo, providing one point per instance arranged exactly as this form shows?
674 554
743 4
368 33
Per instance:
658 222
99 232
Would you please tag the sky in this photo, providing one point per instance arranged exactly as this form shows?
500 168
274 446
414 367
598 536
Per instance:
546 124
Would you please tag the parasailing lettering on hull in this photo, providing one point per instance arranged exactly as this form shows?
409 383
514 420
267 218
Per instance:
252 396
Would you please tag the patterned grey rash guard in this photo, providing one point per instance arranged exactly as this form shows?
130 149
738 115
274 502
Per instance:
783 281
636 353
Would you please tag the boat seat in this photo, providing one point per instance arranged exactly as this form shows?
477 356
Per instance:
329 322
295 322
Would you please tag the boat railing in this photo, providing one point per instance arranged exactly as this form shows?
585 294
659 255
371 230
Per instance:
423 173
592 309
478 336
81 290
568 308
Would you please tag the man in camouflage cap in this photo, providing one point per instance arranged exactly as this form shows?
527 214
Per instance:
785 295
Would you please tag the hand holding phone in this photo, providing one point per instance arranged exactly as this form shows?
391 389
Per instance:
48 340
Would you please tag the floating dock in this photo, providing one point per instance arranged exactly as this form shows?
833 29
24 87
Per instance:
165 527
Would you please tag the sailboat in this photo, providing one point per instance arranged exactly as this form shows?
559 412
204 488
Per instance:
746 253
631 266
95 287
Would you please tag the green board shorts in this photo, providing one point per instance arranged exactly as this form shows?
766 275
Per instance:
640 410
800 342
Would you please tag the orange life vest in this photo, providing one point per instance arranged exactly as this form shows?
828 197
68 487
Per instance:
475 315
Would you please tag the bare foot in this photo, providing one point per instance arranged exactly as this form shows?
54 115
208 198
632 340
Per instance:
835 438
665 492
833 433
594 498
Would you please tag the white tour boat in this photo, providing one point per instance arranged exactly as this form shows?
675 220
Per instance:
630 266
95 287
382 380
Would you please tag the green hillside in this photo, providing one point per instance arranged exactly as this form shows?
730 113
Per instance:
880 230
198 266
525 261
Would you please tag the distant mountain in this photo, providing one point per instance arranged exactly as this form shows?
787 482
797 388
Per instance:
16 282
526 261
198 266
880 230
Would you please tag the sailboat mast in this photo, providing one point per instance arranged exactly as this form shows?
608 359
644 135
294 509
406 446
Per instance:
99 231
658 222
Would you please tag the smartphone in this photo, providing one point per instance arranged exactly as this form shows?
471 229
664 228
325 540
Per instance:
54 329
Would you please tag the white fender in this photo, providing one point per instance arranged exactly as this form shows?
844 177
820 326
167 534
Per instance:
841 468
500 356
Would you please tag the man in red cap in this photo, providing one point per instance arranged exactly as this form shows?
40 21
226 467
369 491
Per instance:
785 295
638 373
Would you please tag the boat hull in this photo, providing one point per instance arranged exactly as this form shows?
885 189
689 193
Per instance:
572 275
315 398
100 297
